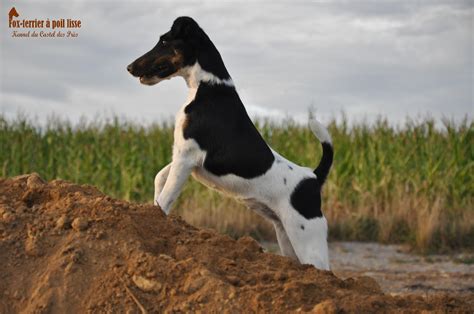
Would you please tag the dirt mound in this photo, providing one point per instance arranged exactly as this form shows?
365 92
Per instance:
66 248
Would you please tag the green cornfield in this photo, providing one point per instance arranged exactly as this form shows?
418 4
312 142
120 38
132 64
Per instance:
409 184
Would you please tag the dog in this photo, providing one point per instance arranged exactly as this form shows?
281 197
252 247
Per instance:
216 142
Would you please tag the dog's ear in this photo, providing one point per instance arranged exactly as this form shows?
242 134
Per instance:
184 28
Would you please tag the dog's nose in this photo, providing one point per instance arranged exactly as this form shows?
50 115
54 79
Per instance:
129 68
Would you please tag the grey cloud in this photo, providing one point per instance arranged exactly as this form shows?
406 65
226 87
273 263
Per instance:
366 58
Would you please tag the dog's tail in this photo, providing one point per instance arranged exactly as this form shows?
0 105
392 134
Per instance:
323 136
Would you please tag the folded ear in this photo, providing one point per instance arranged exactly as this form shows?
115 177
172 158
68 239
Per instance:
184 27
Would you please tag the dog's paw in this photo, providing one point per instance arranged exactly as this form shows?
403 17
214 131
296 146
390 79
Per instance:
157 203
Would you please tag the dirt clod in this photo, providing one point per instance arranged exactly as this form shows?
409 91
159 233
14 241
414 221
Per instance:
63 222
146 284
34 181
80 224
325 307
132 258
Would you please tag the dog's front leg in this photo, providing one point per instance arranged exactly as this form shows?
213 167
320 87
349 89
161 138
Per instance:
160 181
179 171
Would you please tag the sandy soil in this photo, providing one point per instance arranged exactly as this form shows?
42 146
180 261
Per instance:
66 248
399 272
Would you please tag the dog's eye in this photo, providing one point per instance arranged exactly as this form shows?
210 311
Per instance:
164 42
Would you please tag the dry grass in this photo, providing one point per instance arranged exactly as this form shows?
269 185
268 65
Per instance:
427 226
413 184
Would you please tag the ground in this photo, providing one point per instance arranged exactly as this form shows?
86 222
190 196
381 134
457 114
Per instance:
398 271
68 248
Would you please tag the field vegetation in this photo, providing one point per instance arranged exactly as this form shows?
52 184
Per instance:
409 184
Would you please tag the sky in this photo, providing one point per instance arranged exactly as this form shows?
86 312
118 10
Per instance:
394 59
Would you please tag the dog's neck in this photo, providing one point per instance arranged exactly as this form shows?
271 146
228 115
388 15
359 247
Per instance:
194 75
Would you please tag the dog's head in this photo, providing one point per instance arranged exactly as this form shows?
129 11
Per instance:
174 51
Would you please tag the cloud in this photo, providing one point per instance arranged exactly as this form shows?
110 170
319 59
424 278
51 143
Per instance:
365 58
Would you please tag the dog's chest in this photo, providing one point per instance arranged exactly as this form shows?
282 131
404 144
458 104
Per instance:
180 122
181 145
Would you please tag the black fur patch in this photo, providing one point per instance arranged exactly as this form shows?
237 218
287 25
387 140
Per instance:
198 47
290 167
324 166
284 181
218 122
302 227
306 198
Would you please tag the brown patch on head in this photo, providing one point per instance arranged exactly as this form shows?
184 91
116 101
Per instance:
177 59
185 123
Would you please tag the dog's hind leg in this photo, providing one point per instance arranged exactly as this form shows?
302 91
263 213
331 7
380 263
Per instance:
266 212
284 243
263 210
160 181
308 238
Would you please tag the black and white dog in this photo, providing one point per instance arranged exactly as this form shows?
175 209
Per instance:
216 142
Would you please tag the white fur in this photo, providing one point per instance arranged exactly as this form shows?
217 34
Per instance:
268 194
186 156
319 130
270 191
194 75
